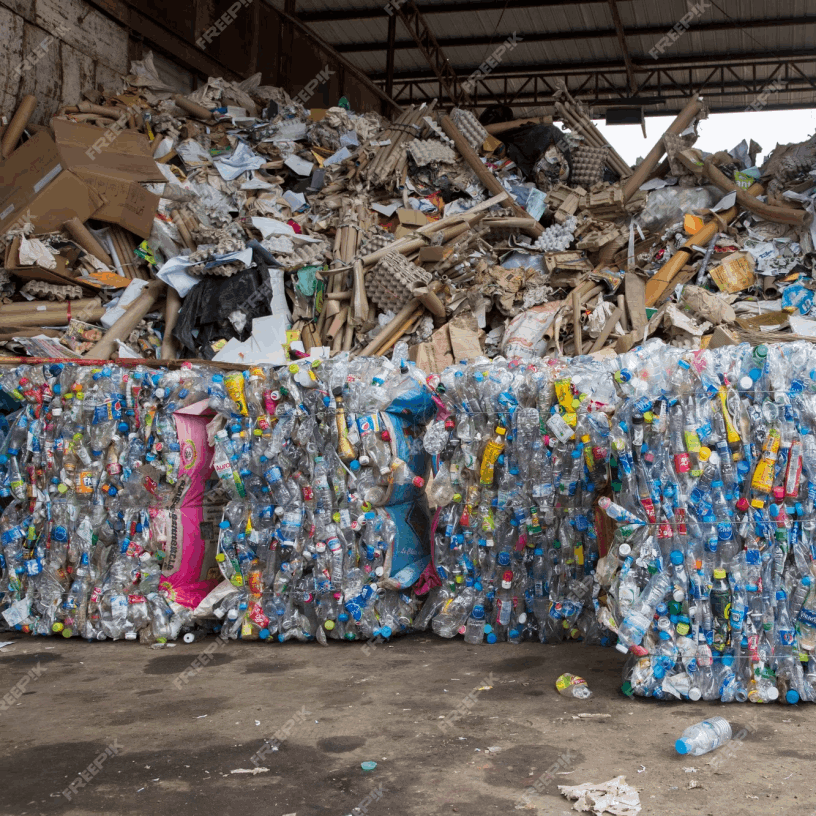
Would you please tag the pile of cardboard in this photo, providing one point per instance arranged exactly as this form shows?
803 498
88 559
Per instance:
234 224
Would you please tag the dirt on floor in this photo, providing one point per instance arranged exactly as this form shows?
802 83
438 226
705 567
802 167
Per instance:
454 729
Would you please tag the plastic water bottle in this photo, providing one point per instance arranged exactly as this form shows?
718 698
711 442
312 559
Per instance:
703 737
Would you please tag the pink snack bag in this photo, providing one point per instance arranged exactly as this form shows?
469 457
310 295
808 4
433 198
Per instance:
188 529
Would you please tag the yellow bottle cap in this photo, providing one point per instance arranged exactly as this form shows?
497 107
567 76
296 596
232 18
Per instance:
757 504
328 625
57 627
220 558
719 574
294 368
704 453
501 431
648 416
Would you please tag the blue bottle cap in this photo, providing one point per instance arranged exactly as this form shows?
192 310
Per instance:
491 638
681 747
792 696
263 634
807 580
780 595
677 558
665 636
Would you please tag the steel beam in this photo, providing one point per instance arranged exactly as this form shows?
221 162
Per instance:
428 45
585 34
478 6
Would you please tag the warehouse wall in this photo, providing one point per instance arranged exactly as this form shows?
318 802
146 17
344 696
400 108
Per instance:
60 49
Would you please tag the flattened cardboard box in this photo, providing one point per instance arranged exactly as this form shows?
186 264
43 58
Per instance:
34 184
113 170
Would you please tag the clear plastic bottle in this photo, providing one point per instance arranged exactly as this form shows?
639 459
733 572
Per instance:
704 736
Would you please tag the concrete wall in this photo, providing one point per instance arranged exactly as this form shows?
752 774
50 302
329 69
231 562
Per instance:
60 49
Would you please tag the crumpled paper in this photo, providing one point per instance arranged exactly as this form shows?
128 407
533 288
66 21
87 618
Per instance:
614 796
34 251
597 320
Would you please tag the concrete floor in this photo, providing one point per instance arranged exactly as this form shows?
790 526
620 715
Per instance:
174 746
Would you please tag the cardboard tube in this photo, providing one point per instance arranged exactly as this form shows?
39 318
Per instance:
769 287
79 232
502 127
17 125
430 301
576 322
99 110
359 303
53 314
169 346
193 108
644 169
127 322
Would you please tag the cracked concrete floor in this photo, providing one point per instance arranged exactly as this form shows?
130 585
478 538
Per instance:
177 745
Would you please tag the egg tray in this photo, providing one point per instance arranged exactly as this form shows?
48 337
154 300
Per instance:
391 282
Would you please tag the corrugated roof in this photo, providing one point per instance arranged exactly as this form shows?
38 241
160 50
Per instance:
728 50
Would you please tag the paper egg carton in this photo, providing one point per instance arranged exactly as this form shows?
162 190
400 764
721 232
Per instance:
40 290
426 151
588 165
391 282
469 127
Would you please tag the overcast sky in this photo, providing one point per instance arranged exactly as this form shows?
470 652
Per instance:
721 131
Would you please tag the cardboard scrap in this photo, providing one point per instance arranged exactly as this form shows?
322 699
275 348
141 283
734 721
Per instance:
114 169
735 273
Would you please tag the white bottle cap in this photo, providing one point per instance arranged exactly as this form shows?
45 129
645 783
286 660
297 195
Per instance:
773 694
624 550
695 694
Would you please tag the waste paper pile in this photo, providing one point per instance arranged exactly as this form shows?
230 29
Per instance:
234 224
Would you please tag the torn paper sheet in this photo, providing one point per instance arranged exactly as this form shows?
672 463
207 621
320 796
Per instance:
174 274
614 796
241 161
